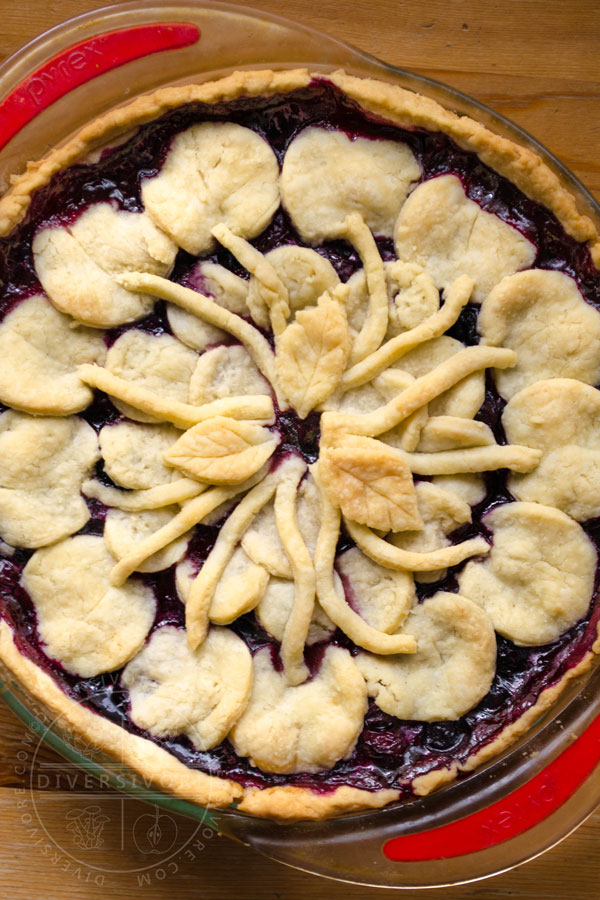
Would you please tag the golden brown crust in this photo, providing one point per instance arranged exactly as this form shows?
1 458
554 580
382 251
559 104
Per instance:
529 174
293 803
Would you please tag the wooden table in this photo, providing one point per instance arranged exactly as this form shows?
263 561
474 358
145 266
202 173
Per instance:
537 61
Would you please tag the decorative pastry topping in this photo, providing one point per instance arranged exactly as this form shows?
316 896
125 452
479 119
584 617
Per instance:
449 235
203 307
465 398
43 463
375 321
413 297
543 317
539 576
451 671
301 564
425 389
312 354
261 541
40 349
183 415
305 274
422 334
192 512
561 417
203 588
470 488
392 557
200 693
79 265
89 626
214 172
242 586
226 372
283 726
222 450
382 597
226 289
447 432
133 454
123 530
441 512
275 608
371 483
157 363
177 491
326 175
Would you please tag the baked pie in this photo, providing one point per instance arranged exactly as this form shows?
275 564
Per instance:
300 440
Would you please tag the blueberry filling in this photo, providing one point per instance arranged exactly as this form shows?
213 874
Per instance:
389 752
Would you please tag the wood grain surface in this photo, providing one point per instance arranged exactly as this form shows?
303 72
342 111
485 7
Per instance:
536 61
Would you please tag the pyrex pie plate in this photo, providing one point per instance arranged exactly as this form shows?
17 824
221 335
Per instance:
511 809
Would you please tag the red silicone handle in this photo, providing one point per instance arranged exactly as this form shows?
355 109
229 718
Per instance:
84 61
510 817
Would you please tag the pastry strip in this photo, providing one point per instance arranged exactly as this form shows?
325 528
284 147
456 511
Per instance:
205 308
152 498
273 290
296 629
422 391
375 326
191 514
458 296
474 459
197 608
353 625
396 558
182 415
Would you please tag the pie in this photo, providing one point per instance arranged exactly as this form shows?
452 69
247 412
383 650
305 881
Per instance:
300 441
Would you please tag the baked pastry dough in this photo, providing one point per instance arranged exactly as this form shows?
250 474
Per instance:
543 316
40 349
560 417
79 265
452 669
448 234
282 728
123 530
133 454
89 626
43 463
158 363
539 575
225 288
214 172
201 693
326 176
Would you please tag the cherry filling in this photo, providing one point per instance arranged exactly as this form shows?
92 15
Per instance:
389 752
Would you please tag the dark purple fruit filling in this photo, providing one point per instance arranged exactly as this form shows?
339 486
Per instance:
390 752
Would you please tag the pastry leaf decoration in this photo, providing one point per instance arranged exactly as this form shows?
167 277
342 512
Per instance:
221 450
312 353
371 483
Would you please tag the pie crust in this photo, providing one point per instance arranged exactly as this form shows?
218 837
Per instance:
395 397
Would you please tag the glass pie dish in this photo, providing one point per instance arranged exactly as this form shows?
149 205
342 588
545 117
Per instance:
503 813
